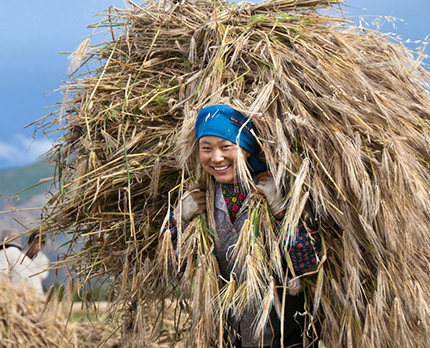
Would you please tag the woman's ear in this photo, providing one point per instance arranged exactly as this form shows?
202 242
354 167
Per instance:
246 154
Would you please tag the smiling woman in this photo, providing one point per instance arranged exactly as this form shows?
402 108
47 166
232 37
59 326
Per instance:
219 130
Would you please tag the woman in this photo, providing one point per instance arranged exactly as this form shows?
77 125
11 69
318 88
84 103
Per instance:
224 135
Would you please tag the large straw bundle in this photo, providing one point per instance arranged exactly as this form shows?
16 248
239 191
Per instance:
27 320
343 119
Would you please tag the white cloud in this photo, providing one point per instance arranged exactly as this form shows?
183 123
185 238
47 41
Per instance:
22 150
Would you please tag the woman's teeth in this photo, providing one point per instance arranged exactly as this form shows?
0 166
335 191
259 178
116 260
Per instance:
220 168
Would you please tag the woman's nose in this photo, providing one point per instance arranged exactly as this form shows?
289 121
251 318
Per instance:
217 156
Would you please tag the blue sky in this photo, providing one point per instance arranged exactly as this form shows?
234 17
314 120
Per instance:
412 23
33 33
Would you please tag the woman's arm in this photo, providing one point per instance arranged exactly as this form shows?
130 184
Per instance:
303 246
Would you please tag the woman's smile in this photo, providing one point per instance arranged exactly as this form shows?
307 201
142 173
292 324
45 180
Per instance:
219 169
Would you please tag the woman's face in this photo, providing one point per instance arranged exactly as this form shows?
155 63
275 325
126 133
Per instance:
218 156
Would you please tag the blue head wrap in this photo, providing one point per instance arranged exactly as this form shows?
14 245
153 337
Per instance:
225 122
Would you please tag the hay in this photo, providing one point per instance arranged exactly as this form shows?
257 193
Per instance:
29 321
342 114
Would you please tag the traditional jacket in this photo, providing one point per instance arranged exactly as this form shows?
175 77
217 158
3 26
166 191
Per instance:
230 213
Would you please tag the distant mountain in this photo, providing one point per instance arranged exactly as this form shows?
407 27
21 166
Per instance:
26 181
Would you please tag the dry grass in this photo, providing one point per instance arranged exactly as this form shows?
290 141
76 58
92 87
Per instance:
343 118
27 320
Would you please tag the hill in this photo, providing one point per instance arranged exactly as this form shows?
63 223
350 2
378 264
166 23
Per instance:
26 181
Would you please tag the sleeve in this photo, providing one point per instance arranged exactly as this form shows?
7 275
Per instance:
171 227
19 268
303 247
4 267
39 265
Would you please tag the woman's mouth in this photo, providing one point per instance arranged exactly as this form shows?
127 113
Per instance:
221 169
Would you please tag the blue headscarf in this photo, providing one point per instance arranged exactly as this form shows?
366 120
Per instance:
225 122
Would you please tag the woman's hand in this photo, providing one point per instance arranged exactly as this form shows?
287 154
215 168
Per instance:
294 286
274 197
193 203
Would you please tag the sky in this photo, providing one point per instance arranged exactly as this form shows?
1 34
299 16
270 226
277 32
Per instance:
33 33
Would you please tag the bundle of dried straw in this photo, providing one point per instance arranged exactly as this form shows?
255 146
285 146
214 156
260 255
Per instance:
31 321
342 116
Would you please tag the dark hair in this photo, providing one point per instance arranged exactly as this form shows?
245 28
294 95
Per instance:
32 237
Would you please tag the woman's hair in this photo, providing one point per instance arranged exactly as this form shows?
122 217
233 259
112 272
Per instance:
32 238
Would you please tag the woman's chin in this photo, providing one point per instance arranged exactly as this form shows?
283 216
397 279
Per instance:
224 179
